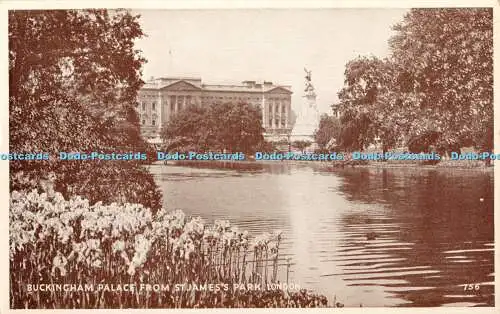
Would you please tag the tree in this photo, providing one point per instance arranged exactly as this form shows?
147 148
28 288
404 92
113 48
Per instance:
366 102
329 127
219 127
301 145
73 83
445 59
237 127
438 80
188 130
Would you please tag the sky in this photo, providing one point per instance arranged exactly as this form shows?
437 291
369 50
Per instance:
234 45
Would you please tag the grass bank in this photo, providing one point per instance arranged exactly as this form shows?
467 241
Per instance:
443 164
246 165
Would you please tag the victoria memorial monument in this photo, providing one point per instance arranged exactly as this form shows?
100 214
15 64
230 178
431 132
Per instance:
308 116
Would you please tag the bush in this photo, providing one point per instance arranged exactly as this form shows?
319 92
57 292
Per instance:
105 181
65 95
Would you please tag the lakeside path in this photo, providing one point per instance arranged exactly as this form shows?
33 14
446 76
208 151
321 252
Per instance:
445 164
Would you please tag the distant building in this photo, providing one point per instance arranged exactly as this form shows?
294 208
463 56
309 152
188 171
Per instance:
159 99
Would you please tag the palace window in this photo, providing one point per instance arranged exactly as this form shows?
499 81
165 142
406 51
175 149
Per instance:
180 101
143 106
277 123
143 122
172 104
153 122
153 106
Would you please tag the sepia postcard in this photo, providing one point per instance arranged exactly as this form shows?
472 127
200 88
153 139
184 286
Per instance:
242 155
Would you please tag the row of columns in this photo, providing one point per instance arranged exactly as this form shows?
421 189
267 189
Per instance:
178 105
276 112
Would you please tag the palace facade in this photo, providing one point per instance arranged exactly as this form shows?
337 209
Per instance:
160 98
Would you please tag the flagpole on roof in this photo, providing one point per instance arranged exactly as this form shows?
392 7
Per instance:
170 60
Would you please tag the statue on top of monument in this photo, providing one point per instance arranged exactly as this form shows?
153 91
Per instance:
309 86
308 75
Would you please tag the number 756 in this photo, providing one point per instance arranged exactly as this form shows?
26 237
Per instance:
471 287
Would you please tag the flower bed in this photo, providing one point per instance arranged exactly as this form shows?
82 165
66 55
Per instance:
54 242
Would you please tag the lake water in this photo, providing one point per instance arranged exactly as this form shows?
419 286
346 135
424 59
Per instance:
433 229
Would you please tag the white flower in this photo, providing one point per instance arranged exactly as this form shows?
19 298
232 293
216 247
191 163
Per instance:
262 240
142 247
118 246
94 244
97 263
222 225
131 269
194 226
277 233
59 262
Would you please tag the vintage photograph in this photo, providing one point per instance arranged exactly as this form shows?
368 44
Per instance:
251 158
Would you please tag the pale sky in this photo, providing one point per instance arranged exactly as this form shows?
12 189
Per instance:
231 46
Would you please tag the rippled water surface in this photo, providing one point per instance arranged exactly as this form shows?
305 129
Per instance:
391 237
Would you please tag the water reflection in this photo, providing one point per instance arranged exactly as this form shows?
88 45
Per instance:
437 220
375 237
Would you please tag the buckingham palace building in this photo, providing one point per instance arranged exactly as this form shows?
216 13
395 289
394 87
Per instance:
160 98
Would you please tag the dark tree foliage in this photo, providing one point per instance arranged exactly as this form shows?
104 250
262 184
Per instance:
301 145
73 82
329 127
423 142
188 130
219 127
268 146
365 103
439 78
354 133
446 59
